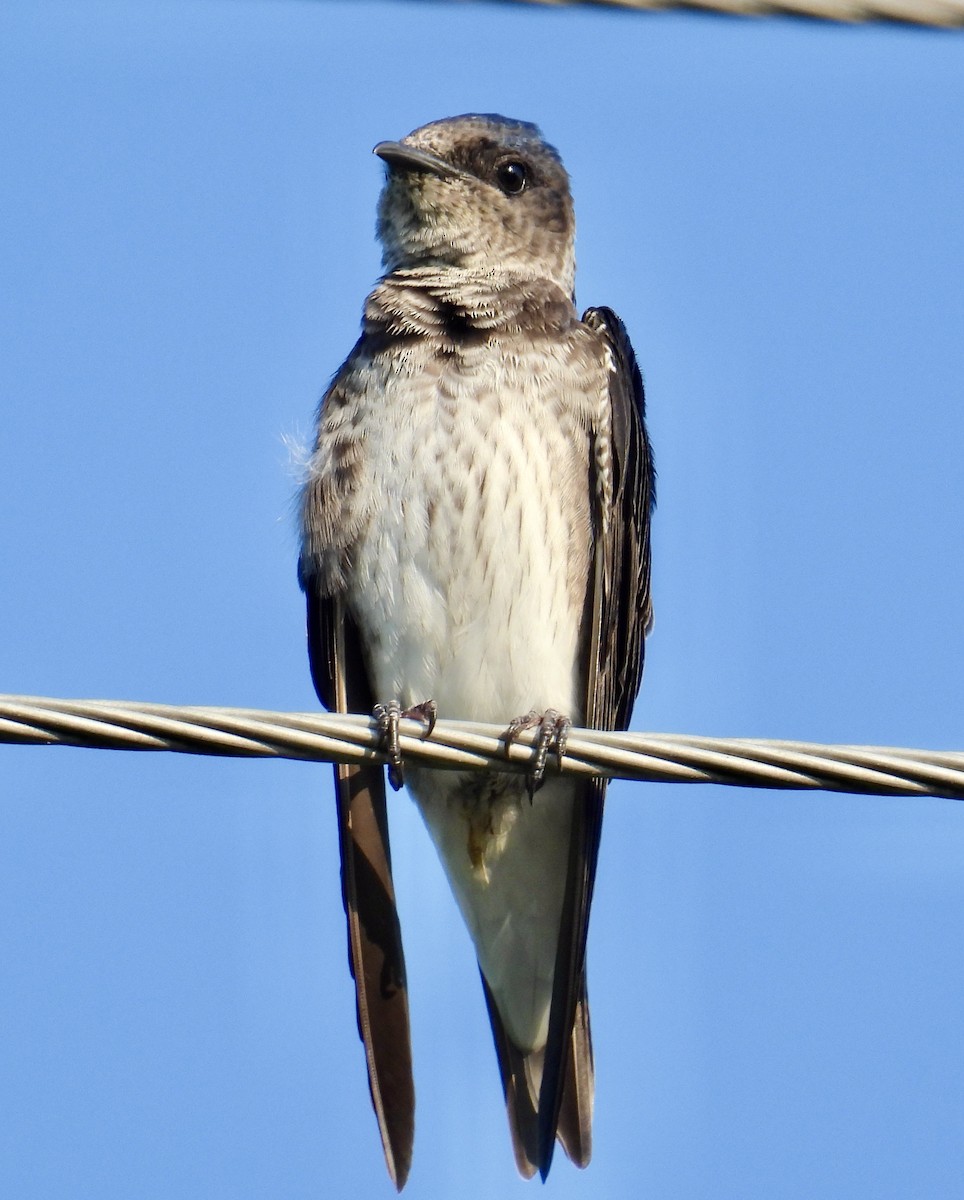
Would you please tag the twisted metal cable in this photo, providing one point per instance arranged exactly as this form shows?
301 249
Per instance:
461 745
944 14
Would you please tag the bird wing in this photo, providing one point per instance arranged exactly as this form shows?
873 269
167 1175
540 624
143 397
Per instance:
622 554
619 612
375 954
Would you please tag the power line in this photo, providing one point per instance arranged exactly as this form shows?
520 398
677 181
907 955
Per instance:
331 737
946 14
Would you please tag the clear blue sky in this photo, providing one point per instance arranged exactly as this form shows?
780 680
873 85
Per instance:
777 211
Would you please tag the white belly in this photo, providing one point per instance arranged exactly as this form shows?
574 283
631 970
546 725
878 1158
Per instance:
470 584
473 567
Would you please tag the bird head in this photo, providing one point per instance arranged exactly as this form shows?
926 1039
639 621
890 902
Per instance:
480 193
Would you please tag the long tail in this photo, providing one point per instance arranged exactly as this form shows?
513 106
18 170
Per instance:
522 1084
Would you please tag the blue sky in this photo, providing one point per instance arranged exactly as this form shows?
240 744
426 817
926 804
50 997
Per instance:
776 209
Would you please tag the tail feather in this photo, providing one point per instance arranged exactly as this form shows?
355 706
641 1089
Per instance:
521 1074
574 1131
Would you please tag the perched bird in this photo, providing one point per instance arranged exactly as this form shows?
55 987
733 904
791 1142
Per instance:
475 542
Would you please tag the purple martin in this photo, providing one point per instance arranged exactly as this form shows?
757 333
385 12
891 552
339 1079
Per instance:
475 541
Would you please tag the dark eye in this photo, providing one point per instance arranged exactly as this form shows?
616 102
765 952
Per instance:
512 177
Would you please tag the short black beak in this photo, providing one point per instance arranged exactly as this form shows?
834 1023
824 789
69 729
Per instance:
409 158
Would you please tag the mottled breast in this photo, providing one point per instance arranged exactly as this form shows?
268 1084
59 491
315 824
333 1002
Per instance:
456 445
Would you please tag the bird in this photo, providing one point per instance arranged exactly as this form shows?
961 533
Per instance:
475 543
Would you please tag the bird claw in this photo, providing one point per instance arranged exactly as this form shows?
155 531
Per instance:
553 735
387 716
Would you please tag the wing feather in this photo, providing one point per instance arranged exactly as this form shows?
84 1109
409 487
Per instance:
375 953
619 613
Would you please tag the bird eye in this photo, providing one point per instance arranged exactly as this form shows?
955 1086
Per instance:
512 177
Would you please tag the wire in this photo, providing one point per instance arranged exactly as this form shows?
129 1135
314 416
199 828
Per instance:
945 14
460 745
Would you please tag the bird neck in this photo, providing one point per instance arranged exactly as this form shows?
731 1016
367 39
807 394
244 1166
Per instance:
427 300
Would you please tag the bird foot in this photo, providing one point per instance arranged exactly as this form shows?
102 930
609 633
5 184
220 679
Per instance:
553 733
388 716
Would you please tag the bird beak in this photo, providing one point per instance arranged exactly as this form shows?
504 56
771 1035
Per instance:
409 158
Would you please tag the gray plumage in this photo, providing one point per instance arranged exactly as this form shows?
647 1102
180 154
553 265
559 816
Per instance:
476 532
